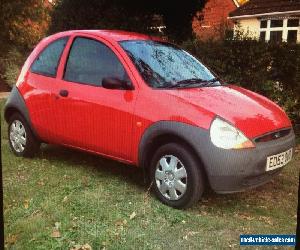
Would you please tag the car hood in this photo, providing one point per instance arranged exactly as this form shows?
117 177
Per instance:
252 113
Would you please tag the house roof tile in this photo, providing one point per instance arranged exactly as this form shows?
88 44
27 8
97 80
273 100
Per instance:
254 7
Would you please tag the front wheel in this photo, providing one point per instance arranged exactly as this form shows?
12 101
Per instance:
21 139
176 176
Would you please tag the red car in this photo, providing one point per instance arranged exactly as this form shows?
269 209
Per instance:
146 102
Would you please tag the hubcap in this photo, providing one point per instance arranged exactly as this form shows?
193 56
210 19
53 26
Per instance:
171 177
17 135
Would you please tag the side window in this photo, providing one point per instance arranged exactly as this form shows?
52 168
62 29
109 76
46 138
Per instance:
47 61
90 61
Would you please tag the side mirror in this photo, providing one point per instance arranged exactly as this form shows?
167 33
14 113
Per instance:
115 83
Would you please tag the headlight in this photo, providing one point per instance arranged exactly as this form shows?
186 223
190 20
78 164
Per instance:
224 135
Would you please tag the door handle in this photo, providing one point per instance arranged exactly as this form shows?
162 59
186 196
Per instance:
64 93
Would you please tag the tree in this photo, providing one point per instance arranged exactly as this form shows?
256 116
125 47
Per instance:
131 15
100 14
23 23
178 16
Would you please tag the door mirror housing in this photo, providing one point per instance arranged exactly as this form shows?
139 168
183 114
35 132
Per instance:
115 83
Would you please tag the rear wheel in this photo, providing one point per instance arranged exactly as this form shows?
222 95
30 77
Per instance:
21 139
176 176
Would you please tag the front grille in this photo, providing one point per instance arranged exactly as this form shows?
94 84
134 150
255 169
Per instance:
274 135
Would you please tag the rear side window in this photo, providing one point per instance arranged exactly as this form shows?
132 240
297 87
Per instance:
47 61
90 61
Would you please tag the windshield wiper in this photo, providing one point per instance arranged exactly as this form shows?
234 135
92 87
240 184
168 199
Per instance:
193 81
196 81
189 82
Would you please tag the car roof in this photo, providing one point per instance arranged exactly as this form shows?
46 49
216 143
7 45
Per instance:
116 35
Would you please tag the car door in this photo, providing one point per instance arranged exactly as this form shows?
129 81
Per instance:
92 117
39 89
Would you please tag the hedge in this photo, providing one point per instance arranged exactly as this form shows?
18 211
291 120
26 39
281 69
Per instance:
270 69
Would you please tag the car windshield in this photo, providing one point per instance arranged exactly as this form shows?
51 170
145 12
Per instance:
163 65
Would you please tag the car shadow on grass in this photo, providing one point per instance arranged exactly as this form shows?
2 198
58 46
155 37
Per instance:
93 163
133 175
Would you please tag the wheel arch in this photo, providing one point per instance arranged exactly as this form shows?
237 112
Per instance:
9 111
16 103
164 132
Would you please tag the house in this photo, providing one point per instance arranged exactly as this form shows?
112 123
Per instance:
212 22
269 20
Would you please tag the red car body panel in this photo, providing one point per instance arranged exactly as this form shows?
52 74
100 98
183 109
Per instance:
112 122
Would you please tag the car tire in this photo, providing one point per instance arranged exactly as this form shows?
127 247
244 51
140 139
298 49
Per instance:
21 139
176 176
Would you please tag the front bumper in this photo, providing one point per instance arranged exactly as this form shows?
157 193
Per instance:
227 171
236 170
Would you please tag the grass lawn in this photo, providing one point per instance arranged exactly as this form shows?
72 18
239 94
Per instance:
63 198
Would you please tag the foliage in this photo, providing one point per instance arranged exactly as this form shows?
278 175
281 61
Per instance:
131 15
270 69
10 65
23 23
178 16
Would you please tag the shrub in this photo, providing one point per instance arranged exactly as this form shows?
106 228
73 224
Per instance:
11 64
272 70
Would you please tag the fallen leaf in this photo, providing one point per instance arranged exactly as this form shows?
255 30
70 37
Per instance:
244 216
81 247
35 212
55 233
57 225
11 239
74 225
104 243
120 222
192 233
266 219
132 215
264 207
85 181
41 183
26 204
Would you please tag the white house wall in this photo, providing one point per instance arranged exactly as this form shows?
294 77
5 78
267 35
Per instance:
250 26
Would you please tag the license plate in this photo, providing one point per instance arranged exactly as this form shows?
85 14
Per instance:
279 160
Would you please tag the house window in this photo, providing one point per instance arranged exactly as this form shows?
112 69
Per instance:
276 23
276 36
263 24
293 23
292 36
262 36
280 30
